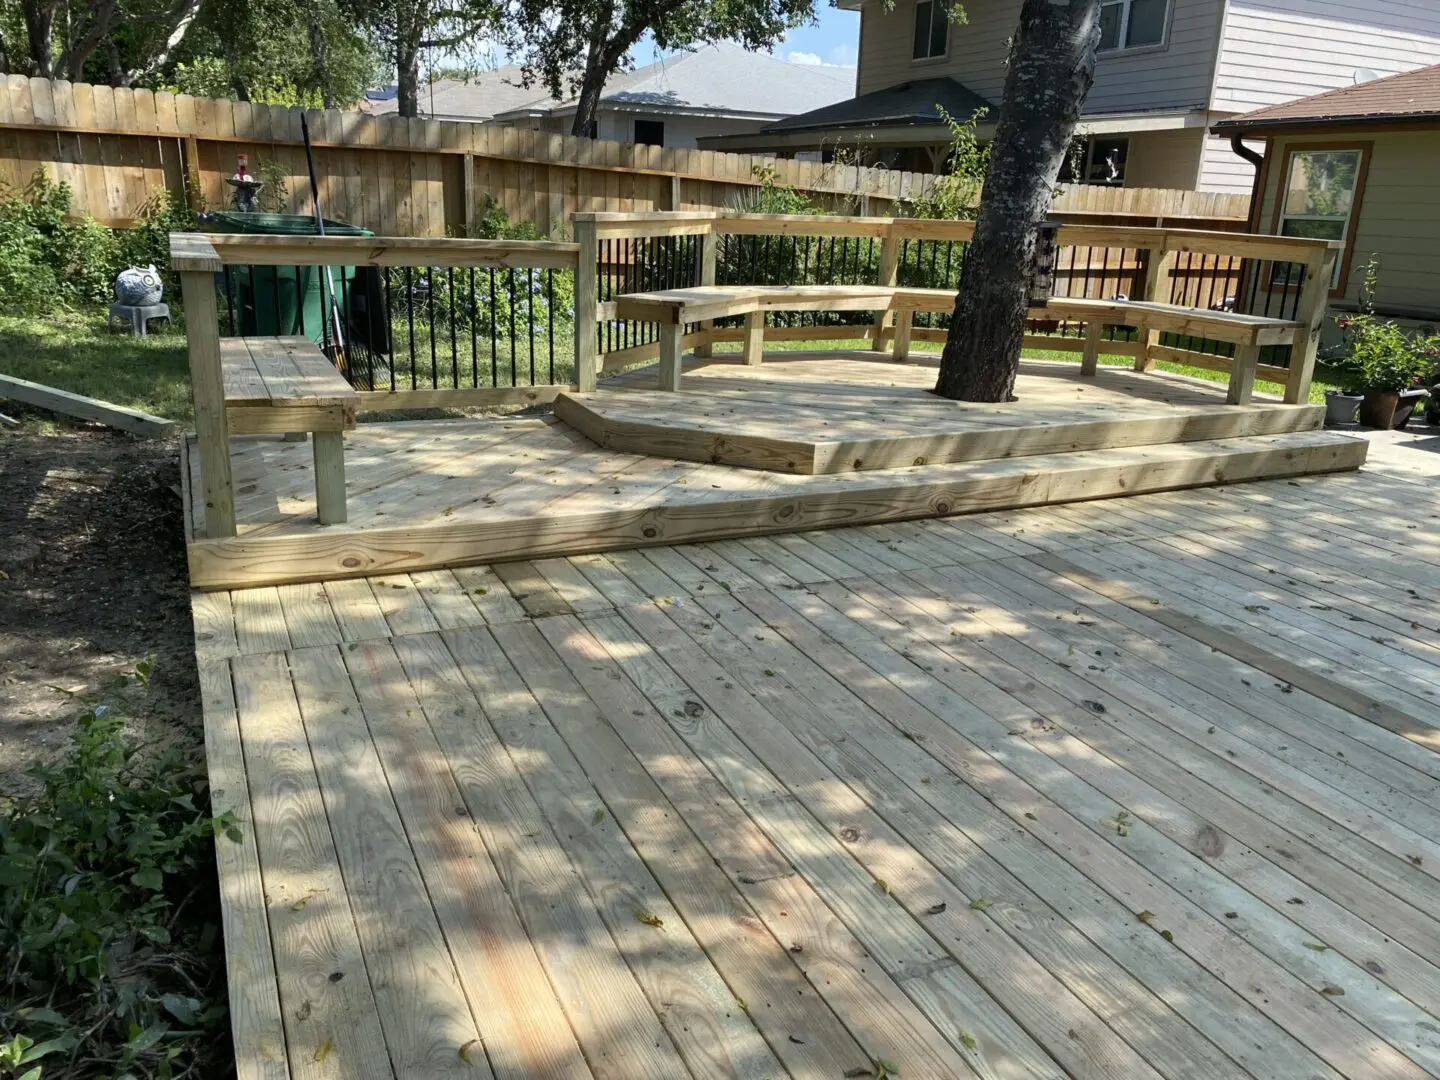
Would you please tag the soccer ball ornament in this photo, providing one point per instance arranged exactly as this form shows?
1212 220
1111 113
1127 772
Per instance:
139 286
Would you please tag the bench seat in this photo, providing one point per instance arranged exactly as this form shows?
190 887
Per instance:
286 385
674 309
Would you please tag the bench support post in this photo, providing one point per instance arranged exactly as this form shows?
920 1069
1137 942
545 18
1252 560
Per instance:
330 477
1310 314
754 338
207 390
672 346
708 249
587 360
888 276
900 347
1242 374
1157 290
1094 335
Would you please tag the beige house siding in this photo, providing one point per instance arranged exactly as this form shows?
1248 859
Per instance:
1221 169
1399 215
1279 50
1176 75
1164 159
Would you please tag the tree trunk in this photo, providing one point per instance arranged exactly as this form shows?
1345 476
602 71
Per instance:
1052 64
591 87
39 30
407 65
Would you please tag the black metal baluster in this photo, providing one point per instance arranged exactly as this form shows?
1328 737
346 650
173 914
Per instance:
550 318
510 288
410 318
390 325
454 349
494 333
430 318
531 287
474 329
230 300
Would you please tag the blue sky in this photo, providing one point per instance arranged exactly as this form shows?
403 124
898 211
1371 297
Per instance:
831 40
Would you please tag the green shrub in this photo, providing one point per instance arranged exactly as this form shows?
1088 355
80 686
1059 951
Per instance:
110 963
51 261
1382 356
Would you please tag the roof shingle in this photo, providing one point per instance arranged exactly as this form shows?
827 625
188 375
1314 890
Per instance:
1407 97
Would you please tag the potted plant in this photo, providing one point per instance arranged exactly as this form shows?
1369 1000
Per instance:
1341 404
1392 367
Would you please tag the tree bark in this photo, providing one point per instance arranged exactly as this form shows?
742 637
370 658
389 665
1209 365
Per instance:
409 34
592 85
1052 64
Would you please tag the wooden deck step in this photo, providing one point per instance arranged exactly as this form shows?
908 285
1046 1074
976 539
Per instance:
785 416
622 513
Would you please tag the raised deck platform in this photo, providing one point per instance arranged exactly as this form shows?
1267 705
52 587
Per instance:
849 413
424 495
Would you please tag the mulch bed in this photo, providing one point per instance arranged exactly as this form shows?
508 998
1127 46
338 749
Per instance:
93 562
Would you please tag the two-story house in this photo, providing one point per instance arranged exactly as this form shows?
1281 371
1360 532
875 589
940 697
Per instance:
1167 70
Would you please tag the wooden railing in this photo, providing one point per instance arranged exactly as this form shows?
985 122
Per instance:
1285 278
444 323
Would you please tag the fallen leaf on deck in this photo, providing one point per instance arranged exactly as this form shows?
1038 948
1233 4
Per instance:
324 1051
1145 916
464 1052
980 904
649 919
935 909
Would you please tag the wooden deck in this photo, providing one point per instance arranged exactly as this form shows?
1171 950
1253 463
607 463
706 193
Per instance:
445 493
1135 788
848 412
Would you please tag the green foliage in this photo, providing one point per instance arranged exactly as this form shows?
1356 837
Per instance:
773 197
47 259
51 261
1382 356
274 197
956 192
109 964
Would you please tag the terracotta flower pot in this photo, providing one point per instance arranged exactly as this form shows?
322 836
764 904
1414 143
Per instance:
1388 409
1377 408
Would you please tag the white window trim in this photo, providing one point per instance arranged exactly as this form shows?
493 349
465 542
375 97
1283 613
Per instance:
938 57
1294 156
1124 30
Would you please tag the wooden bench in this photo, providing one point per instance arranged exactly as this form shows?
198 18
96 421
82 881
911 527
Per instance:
1246 332
285 385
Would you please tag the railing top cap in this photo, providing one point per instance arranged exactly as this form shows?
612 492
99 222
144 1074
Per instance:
214 251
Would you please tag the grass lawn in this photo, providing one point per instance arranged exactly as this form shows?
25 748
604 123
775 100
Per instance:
75 352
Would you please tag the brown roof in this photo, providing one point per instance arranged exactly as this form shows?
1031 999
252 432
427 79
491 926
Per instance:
1406 98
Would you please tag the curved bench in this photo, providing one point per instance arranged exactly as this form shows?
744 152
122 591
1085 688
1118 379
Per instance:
674 309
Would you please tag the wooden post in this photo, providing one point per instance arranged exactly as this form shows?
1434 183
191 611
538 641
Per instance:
467 193
207 391
1310 314
190 174
586 305
1157 290
900 347
330 477
888 275
672 345
754 338
709 247
676 190
1242 374
1090 359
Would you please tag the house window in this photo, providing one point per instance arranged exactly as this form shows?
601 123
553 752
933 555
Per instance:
650 132
1318 200
1098 159
932 29
1132 24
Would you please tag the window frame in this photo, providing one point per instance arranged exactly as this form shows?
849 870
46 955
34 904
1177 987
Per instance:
1366 148
635 131
941 6
1120 46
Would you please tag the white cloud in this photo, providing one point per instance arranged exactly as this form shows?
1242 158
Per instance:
804 58
842 56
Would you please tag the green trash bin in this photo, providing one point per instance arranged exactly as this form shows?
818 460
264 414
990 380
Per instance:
282 300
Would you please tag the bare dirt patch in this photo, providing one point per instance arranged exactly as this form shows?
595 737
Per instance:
93 559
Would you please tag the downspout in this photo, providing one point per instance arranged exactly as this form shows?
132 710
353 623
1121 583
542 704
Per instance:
1237 144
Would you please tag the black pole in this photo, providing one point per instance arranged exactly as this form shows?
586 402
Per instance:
329 288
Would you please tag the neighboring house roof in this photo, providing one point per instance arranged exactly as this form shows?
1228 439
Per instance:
907 104
1411 97
717 80
477 98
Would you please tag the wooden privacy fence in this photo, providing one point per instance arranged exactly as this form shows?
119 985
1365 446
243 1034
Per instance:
1281 278
118 148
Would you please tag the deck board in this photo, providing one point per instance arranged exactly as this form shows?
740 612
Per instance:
890 791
